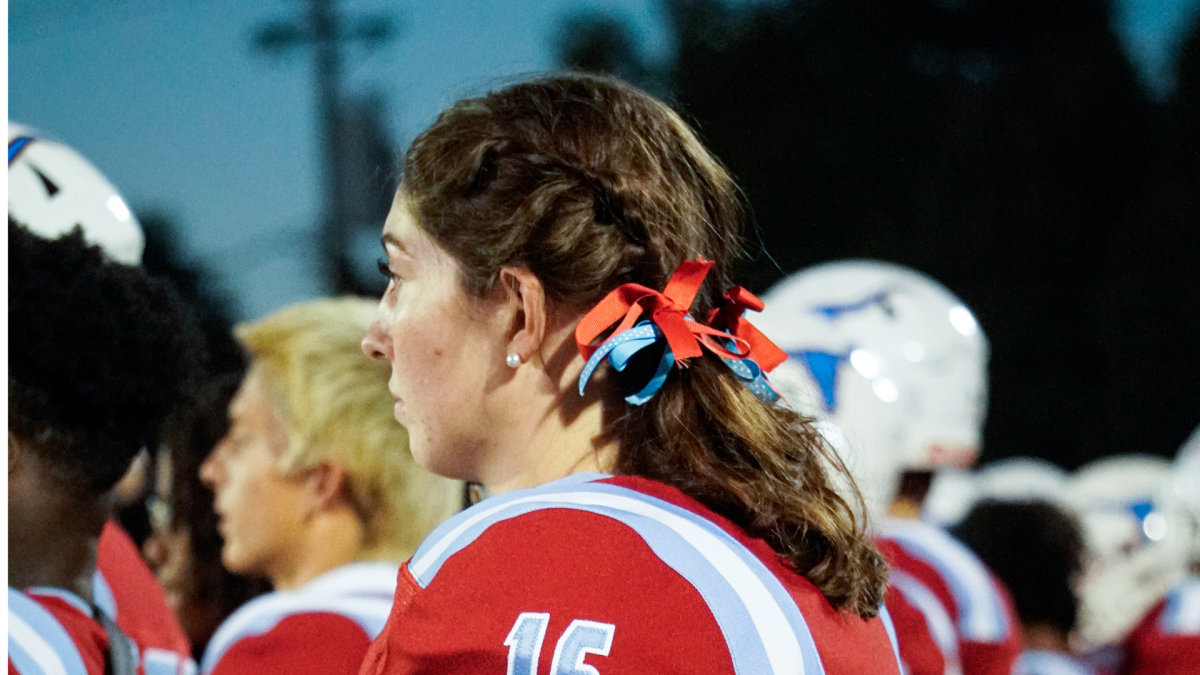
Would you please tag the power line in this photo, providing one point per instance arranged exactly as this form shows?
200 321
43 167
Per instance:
323 28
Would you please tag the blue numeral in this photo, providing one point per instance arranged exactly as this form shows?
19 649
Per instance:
582 638
524 643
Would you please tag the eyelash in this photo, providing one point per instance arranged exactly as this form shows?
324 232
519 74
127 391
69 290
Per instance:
385 270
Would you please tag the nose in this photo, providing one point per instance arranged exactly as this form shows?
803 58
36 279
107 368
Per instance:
210 472
376 343
154 551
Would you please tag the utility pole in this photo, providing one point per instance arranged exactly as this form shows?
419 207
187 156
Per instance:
326 31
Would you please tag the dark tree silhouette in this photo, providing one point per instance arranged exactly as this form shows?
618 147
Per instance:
600 44
1003 146
163 257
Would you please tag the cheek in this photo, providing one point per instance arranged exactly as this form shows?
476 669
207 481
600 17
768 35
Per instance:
246 496
428 346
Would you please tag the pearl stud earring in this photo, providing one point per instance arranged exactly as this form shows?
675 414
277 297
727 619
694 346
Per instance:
513 360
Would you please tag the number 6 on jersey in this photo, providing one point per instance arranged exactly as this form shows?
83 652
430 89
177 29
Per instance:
581 638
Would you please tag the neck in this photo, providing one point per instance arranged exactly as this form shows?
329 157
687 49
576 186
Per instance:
1045 638
555 431
552 444
332 537
904 509
53 544
557 450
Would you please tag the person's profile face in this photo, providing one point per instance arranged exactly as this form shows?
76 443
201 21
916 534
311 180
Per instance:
443 346
168 548
260 509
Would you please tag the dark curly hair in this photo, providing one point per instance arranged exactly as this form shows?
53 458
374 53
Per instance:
1036 549
99 353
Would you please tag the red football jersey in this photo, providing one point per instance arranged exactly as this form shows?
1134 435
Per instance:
926 561
53 632
1167 641
594 574
125 589
323 628
925 631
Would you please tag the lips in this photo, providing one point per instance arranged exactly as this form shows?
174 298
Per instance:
399 406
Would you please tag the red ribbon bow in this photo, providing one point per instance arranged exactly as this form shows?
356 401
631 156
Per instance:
728 317
628 303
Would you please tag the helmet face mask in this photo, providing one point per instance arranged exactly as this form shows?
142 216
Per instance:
890 358
52 190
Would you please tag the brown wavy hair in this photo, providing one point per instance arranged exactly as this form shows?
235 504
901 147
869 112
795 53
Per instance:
591 183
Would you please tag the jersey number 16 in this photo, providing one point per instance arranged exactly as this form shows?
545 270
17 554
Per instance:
581 638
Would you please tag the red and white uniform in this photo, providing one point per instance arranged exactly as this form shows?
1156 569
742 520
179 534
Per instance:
925 630
1036 662
964 611
323 628
125 589
594 574
1167 641
53 632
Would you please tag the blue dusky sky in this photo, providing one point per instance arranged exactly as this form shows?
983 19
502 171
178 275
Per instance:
169 99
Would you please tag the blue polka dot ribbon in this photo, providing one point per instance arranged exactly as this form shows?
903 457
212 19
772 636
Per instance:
620 348
643 316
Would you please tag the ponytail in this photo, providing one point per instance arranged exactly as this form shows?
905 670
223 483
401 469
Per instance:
764 467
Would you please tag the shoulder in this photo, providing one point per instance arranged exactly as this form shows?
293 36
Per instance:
125 589
978 602
347 606
625 558
1181 610
1168 638
311 642
49 636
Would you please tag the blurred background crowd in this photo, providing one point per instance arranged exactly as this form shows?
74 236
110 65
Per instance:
1041 161
1038 160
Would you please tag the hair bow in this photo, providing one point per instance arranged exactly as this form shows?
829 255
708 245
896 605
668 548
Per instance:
644 316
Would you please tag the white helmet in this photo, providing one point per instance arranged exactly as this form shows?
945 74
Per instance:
1137 550
955 492
952 494
52 189
890 357
1181 495
1022 479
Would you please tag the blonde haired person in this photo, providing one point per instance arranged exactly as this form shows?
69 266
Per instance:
317 492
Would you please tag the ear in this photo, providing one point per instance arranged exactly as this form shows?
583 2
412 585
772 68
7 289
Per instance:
325 483
529 321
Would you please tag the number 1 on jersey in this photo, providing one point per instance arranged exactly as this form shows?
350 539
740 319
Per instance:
581 638
524 642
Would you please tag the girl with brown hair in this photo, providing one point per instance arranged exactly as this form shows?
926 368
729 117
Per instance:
658 514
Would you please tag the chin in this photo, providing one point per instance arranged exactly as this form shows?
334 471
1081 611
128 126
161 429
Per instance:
236 562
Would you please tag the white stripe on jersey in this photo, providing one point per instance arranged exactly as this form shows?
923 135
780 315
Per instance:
102 595
362 592
981 612
941 625
1035 662
37 642
762 625
1182 613
157 661
886 618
